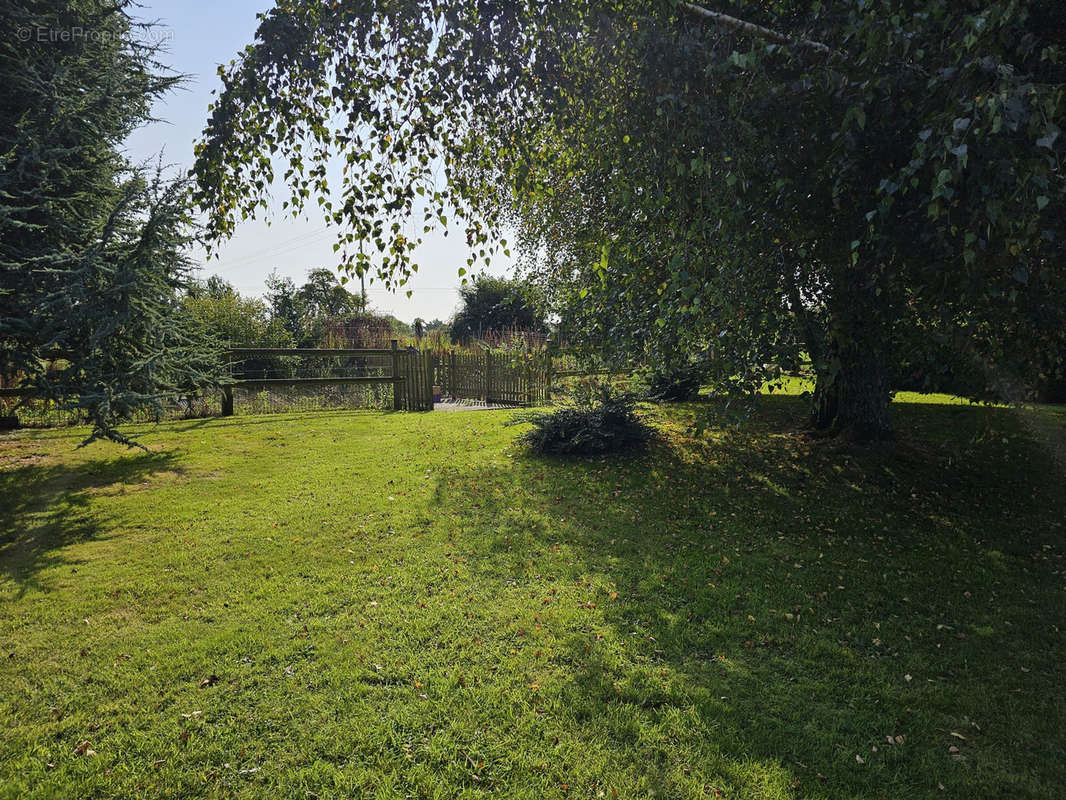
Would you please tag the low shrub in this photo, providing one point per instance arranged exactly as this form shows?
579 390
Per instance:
670 384
594 419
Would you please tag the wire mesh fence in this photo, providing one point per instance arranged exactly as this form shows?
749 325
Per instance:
288 380
301 397
37 413
266 382
269 379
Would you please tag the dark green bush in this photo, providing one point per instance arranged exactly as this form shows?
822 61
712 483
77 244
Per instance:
595 419
670 384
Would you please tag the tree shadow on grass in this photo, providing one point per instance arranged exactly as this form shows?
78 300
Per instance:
800 615
46 507
280 418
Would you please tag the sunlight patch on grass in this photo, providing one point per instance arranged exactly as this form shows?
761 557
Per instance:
408 605
793 385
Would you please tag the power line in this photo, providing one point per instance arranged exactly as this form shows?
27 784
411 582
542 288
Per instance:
288 247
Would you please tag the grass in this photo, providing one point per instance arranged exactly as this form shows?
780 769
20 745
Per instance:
390 605
794 385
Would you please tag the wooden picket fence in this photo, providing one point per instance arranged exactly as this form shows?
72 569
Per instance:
415 389
501 379
415 376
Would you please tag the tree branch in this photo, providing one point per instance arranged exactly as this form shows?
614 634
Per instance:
751 28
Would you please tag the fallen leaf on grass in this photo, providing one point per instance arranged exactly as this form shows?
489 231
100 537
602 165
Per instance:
211 680
84 750
191 714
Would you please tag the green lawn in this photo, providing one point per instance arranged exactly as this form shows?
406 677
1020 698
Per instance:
365 604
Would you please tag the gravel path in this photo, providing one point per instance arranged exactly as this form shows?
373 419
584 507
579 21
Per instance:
468 405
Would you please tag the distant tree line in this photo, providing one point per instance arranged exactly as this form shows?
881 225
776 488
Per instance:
321 312
491 308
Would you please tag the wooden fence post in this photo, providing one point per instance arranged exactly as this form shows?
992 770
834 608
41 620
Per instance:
488 375
414 373
396 404
427 371
227 391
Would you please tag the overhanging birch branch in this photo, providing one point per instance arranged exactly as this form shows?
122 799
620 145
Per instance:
751 28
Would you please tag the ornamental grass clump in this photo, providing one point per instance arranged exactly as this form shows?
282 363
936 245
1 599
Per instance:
595 419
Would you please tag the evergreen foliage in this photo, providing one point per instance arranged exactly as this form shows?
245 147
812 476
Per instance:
93 249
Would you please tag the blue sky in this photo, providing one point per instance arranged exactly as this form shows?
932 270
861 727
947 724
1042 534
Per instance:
199 36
